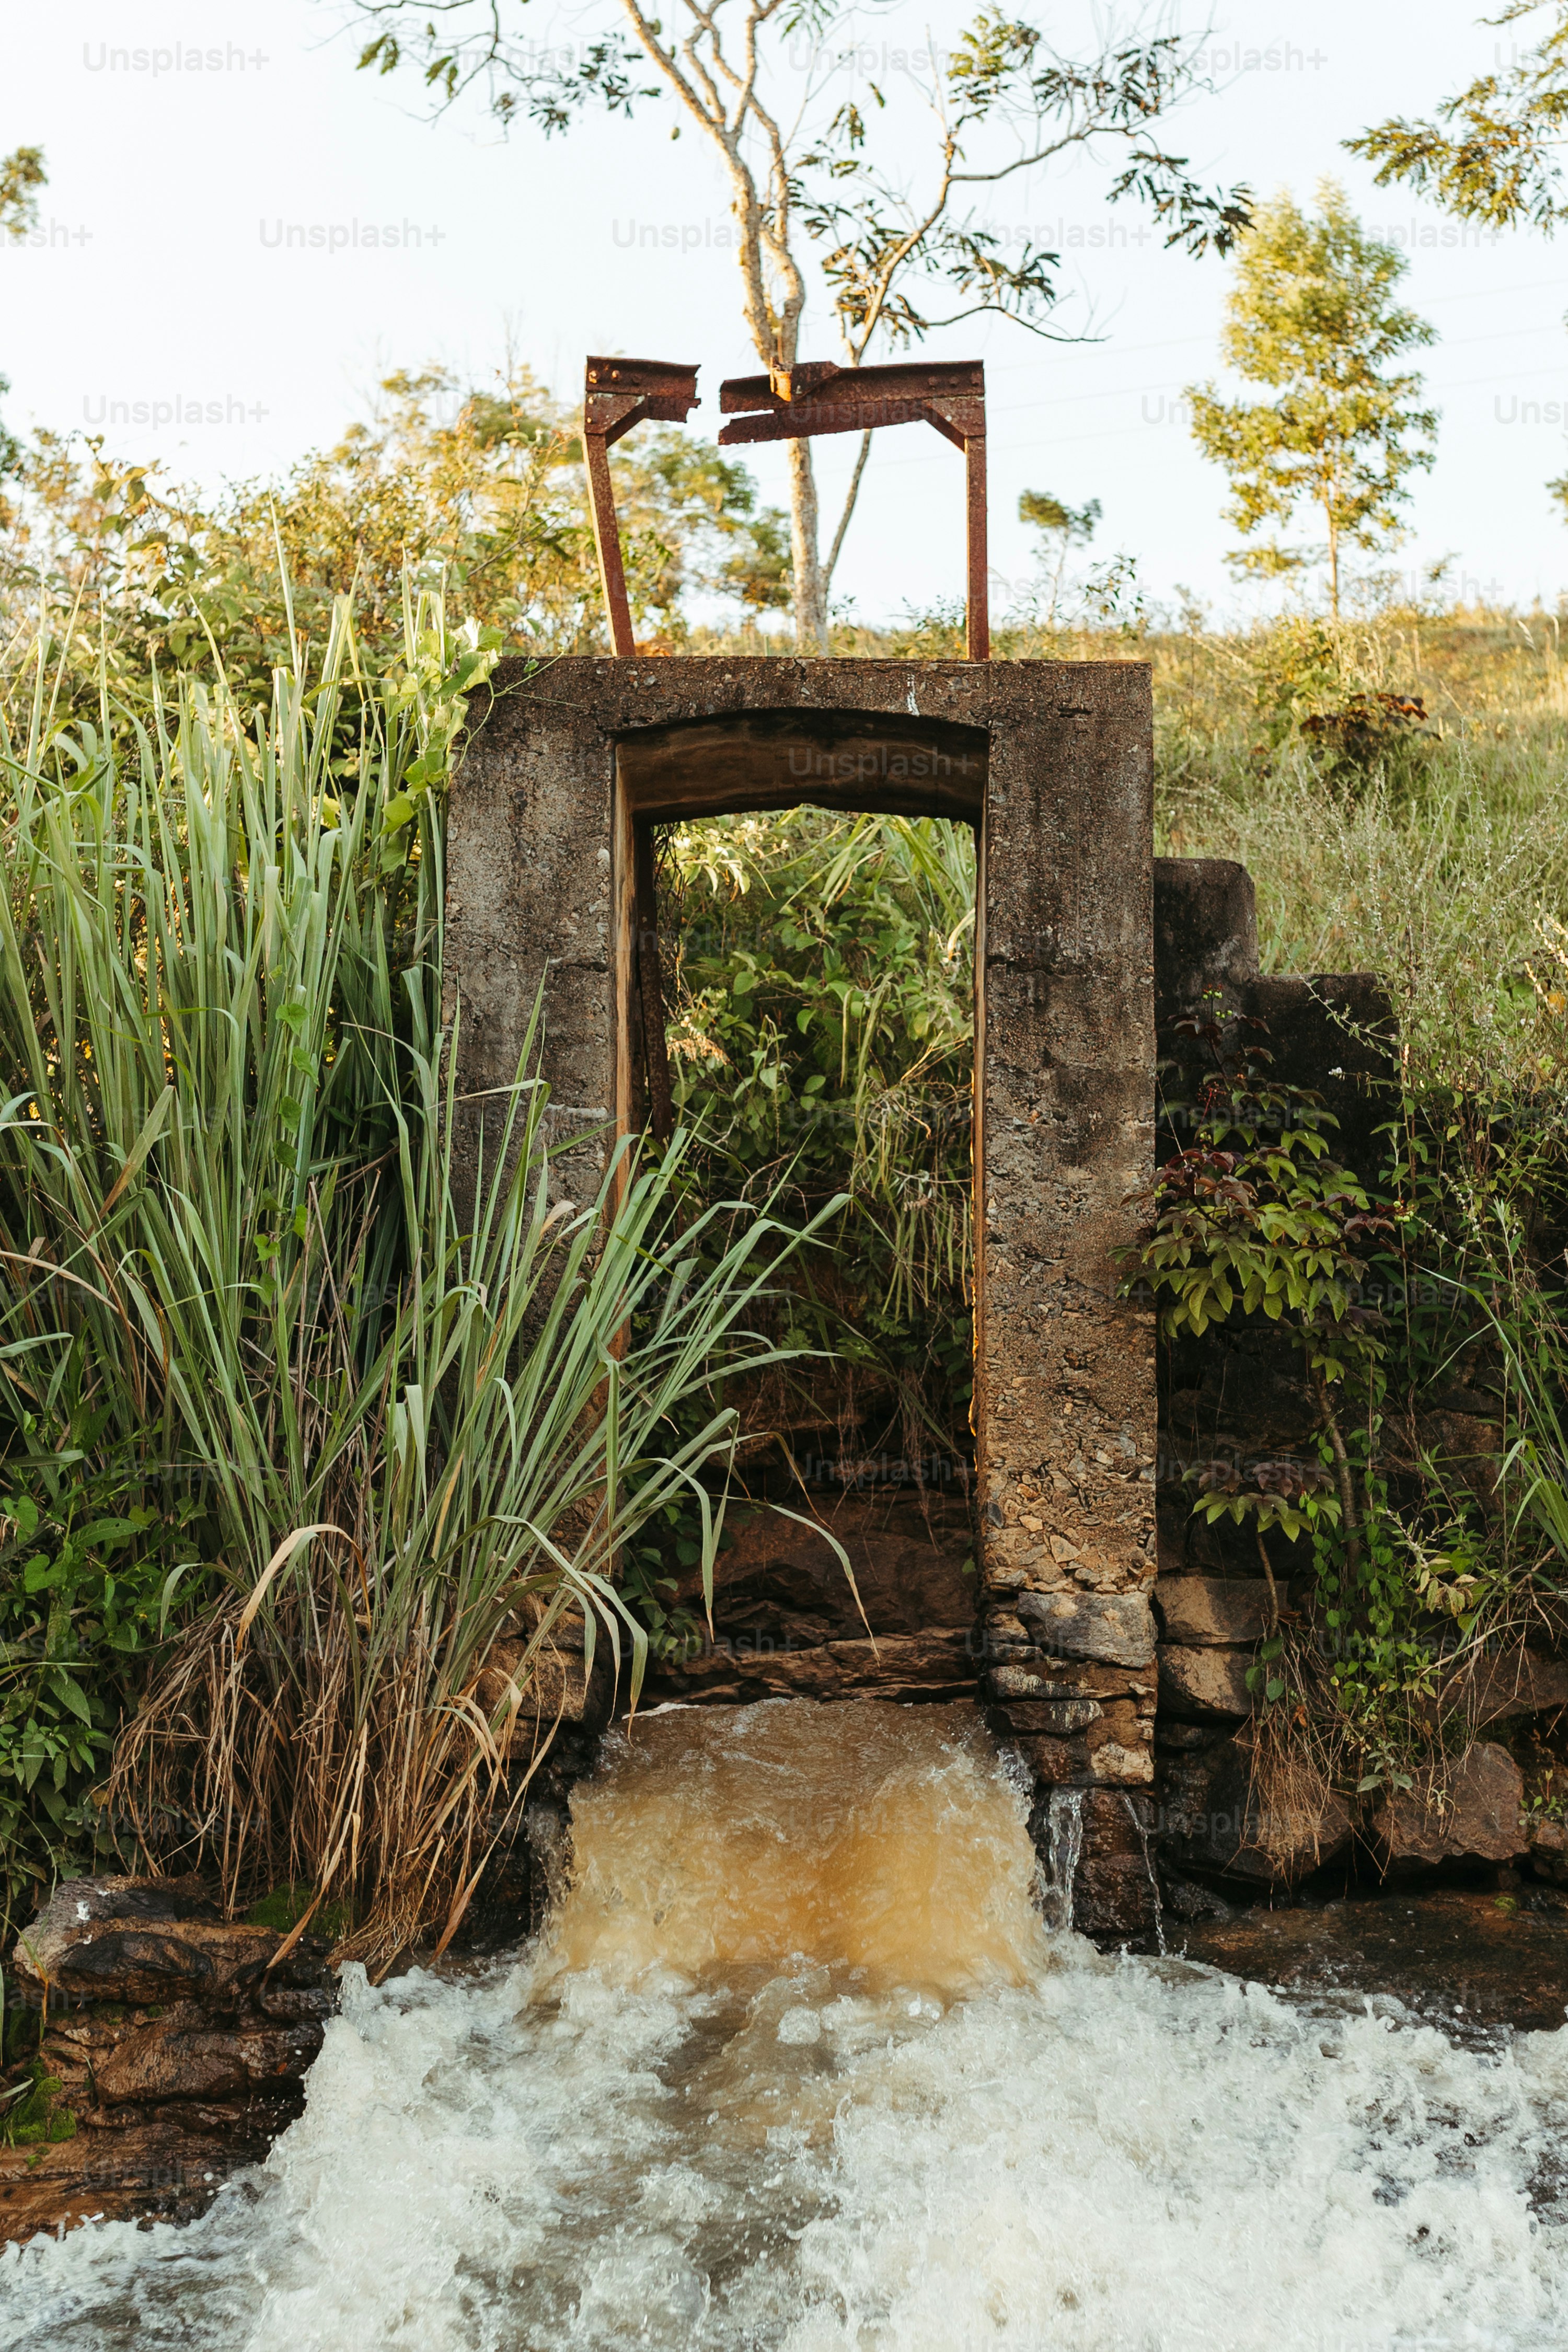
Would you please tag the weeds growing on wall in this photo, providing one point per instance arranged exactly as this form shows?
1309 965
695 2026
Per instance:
1416 1576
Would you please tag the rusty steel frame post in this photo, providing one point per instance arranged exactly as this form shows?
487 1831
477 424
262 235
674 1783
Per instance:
977 605
608 542
617 394
818 397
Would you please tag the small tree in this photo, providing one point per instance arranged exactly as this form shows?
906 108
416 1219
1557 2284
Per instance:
1063 527
1312 316
902 252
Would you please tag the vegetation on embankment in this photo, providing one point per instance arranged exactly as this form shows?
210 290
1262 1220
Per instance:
289 1439
239 1300
1394 786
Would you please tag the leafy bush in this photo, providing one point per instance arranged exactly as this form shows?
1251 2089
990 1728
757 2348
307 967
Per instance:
1367 732
822 1038
83 1577
1413 1581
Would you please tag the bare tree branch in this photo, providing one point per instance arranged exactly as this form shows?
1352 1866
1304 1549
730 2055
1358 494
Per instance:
855 479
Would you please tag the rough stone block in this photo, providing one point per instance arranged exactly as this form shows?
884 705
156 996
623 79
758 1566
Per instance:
1061 1716
171 2059
555 1688
1116 1749
1200 1684
1032 1674
1118 1628
1212 1610
140 1940
1115 1893
1514 1683
1205 929
1214 1818
937 1664
1470 1810
176 2038
1328 1031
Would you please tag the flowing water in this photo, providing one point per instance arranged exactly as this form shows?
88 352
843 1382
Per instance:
800 2065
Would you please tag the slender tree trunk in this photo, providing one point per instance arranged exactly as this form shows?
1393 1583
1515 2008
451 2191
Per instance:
1056 581
1273 1588
810 580
1334 570
1343 1479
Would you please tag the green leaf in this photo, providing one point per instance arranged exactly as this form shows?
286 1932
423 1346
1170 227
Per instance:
72 1695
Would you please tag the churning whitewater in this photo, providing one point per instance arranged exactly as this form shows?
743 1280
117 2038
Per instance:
798 2065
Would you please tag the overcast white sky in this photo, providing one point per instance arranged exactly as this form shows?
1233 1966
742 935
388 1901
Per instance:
162 273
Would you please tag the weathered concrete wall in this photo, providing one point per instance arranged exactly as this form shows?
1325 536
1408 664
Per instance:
1054 764
1066 1463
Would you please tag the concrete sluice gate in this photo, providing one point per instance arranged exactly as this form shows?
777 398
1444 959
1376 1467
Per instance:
1052 765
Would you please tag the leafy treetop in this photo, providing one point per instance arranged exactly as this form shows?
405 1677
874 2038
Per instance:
1312 316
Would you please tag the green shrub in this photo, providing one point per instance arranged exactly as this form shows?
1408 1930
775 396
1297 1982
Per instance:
821 1038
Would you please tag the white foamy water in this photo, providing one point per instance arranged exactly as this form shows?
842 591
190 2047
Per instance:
798 2068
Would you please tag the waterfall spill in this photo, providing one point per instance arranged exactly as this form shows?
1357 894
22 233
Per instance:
798 2065
878 1843
1064 1845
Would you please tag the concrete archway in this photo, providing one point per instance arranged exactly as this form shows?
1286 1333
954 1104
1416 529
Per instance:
1052 763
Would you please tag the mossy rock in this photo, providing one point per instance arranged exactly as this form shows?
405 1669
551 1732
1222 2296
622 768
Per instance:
33 2119
283 1909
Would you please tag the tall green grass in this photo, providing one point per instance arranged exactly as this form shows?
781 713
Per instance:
1450 882
236 1250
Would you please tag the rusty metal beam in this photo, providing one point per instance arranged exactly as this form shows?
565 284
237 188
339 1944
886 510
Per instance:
905 379
617 394
823 416
789 404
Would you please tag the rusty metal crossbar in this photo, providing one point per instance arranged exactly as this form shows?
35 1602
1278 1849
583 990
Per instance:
819 397
786 405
